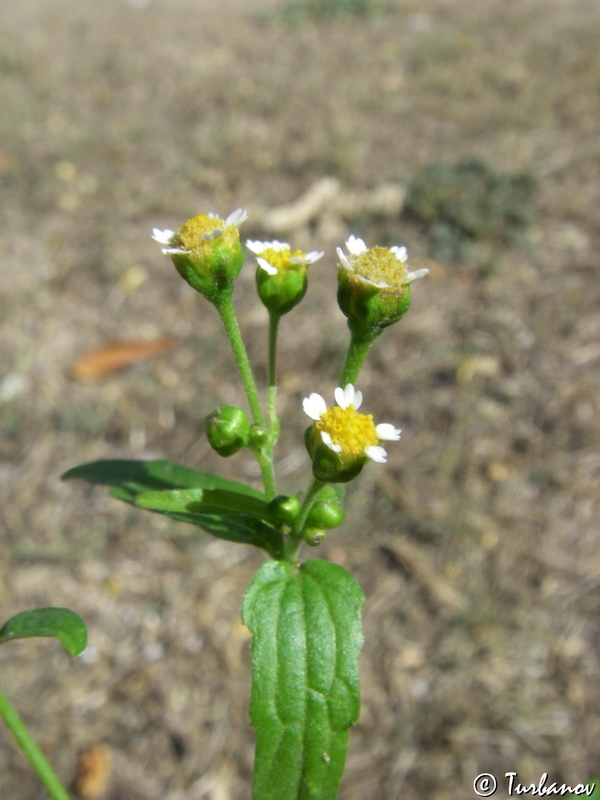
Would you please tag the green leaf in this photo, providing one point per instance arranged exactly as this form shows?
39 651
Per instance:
58 623
146 476
130 480
588 789
306 640
202 501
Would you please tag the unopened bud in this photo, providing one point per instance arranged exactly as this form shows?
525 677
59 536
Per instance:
314 536
228 430
284 508
327 512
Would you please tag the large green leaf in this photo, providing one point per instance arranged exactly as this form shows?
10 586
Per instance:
306 640
129 480
203 501
147 476
58 623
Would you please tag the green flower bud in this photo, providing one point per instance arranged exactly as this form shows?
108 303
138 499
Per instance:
259 437
314 536
281 275
374 285
206 252
228 430
326 513
284 508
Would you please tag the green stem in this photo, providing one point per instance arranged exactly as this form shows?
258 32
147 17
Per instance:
265 462
226 310
36 758
360 344
224 306
273 422
294 542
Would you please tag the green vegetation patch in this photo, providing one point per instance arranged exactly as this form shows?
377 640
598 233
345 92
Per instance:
298 11
468 202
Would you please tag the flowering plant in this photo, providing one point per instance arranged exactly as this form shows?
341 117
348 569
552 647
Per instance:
304 616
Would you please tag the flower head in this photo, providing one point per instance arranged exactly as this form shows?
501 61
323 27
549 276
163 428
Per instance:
342 439
281 274
275 257
206 251
374 284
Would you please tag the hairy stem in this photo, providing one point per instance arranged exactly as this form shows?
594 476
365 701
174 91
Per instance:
272 419
229 318
232 329
360 344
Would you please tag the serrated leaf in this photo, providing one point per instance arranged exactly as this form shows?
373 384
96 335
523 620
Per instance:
306 640
131 479
58 623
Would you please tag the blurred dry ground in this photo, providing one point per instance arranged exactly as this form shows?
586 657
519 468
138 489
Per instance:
477 545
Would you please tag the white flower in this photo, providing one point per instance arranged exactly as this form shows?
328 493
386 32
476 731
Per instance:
370 265
211 228
274 256
346 431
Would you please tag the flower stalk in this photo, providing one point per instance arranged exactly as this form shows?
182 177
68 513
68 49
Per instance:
294 541
360 344
226 311
32 752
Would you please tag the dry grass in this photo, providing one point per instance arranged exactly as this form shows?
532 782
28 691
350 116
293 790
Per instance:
476 547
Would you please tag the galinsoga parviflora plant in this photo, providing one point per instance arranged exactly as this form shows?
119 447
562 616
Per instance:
304 616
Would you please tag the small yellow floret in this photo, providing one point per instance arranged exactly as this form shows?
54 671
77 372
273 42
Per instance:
193 231
380 265
349 429
192 234
281 259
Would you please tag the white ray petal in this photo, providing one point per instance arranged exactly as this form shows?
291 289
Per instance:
344 261
376 453
163 236
314 255
355 245
337 448
369 282
256 247
173 251
264 264
387 432
401 253
237 217
418 273
314 405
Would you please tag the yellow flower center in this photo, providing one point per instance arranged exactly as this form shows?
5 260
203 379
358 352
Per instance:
281 259
380 265
349 429
191 234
